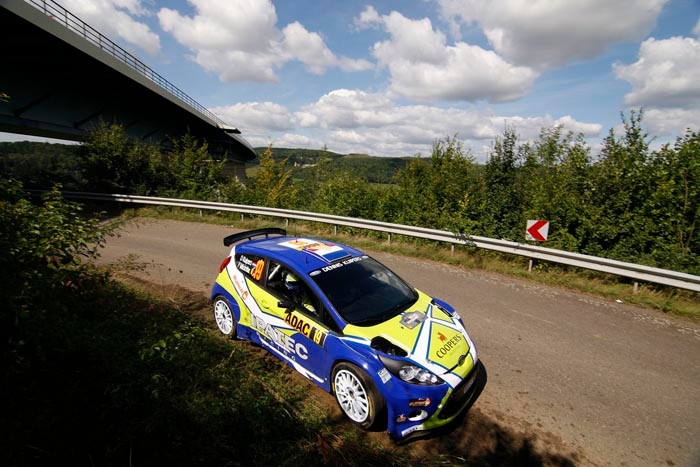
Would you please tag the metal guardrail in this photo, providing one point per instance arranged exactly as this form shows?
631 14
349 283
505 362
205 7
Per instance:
620 268
56 12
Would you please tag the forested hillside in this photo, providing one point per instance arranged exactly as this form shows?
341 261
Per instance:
371 169
626 202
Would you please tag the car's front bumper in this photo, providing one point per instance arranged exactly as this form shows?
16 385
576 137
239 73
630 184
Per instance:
406 421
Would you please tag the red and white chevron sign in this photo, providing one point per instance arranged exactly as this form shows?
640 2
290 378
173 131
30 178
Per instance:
537 230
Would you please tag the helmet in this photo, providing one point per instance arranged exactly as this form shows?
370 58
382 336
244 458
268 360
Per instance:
293 286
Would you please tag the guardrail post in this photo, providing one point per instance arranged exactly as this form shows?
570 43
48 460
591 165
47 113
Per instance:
335 230
389 238
529 266
452 249
286 222
635 288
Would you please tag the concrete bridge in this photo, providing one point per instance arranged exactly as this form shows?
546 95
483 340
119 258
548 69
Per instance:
61 77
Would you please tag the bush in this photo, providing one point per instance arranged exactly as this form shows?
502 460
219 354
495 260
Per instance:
41 251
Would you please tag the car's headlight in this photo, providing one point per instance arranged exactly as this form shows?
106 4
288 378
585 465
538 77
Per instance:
409 372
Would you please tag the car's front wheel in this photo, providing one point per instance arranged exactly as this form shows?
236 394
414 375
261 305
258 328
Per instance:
223 315
357 395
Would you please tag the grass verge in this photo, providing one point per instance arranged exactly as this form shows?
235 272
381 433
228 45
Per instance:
665 299
133 374
124 378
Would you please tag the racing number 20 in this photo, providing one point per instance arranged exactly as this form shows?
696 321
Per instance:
258 270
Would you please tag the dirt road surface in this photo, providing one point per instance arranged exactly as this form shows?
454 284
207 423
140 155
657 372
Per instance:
607 383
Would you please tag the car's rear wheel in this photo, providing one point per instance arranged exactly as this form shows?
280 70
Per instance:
223 315
357 395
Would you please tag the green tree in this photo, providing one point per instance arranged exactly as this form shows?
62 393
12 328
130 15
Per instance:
442 192
272 185
191 171
622 182
503 215
674 205
556 185
113 163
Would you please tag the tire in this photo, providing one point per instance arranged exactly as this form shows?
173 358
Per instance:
224 318
357 396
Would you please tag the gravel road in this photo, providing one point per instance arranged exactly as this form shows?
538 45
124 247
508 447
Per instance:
616 384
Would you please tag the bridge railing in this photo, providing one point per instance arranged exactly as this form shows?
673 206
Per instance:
633 271
58 13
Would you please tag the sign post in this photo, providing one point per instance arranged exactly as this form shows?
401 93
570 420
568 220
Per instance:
536 230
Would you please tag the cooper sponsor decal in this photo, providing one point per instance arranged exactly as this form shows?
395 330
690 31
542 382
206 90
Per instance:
283 341
312 332
449 344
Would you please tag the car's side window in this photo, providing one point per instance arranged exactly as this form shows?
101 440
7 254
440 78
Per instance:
288 287
285 284
252 266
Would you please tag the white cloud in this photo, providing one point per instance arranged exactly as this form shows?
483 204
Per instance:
423 67
353 121
369 18
113 18
547 34
671 122
239 40
256 117
665 75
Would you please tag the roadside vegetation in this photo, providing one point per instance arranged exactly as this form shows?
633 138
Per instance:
627 202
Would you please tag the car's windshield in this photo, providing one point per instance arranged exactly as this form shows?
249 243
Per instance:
363 291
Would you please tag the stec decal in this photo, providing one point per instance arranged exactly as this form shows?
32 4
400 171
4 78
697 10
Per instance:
313 333
283 341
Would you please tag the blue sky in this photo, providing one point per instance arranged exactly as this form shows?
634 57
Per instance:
388 78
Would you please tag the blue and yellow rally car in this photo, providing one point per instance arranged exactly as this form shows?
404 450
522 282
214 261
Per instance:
390 354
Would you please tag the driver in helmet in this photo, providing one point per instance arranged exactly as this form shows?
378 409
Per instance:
297 292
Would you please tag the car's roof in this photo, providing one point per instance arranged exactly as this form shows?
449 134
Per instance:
305 254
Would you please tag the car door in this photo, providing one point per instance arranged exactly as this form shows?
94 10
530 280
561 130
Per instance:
303 313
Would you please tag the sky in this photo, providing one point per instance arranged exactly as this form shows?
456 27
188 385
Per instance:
389 78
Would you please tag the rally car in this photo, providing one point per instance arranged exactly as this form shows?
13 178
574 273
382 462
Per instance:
391 355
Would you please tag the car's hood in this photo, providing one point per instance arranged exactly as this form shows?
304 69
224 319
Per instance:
429 335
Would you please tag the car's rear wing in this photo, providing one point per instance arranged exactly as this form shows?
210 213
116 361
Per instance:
249 234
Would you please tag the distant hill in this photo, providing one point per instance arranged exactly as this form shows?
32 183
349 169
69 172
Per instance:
371 168
40 165
41 162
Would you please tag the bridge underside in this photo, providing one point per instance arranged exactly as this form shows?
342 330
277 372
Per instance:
60 88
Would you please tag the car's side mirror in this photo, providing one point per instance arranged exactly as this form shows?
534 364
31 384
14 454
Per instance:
287 305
